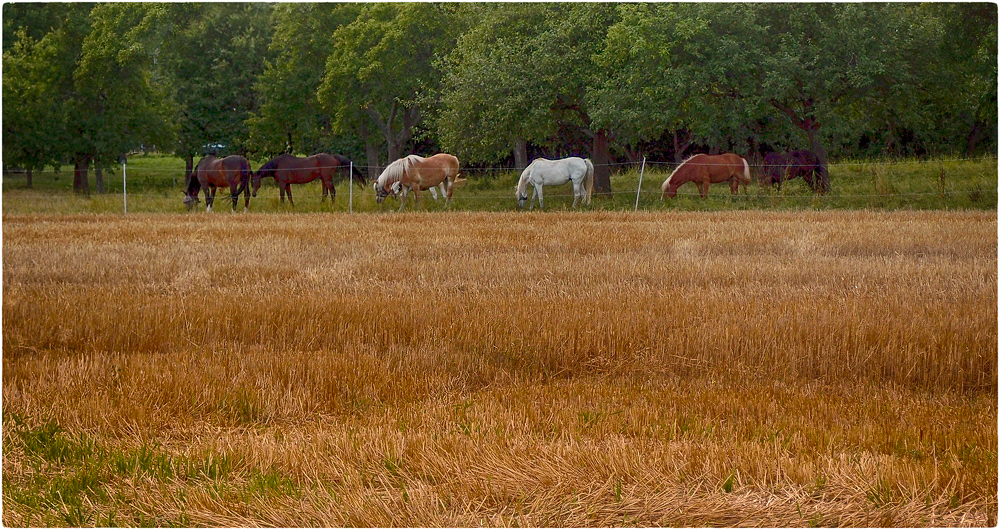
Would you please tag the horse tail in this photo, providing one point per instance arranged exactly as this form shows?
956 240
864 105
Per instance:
245 174
589 181
746 170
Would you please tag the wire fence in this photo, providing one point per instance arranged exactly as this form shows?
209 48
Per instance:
985 186
630 165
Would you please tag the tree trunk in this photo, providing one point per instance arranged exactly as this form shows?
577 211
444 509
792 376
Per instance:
99 178
395 140
188 170
374 169
520 155
601 157
973 139
81 182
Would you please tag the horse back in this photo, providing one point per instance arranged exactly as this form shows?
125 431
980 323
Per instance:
430 171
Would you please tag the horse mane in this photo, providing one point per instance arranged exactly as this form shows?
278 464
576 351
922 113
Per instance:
394 172
194 185
270 166
679 166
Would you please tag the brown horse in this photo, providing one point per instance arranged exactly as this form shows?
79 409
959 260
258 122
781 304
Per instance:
708 169
213 172
287 170
779 167
418 173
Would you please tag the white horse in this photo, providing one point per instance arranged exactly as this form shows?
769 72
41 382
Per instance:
544 172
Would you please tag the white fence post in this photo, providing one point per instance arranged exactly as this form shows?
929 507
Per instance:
350 188
639 190
124 186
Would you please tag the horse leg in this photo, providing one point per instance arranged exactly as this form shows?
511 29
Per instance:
703 188
281 191
209 199
402 197
234 194
288 189
734 185
577 192
538 190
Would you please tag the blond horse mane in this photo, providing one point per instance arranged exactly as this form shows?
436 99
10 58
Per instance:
679 166
393 173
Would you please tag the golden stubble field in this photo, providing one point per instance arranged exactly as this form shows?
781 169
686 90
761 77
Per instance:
500 369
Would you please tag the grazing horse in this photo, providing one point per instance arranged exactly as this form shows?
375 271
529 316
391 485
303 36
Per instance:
708 169
212 172
779 167
543 172
287 170
418 174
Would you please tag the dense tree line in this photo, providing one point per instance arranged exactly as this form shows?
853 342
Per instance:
85 84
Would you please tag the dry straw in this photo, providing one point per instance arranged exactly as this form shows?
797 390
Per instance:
741 368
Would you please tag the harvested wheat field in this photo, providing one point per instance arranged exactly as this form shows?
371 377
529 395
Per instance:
500 369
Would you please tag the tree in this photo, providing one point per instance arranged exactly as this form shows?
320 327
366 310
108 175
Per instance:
492 100
381 71
83 91
522 74
38 80
289 117
212 61
117 107
962 82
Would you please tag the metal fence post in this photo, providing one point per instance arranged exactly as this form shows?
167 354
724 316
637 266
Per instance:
637 191
124 186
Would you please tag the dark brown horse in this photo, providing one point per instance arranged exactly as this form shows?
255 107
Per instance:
708 169
287 170
779 167
213 172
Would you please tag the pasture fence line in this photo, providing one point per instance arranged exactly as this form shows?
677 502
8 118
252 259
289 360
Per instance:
639 192
636 165
776 195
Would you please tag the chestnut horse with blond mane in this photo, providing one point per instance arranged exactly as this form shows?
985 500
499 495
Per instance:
708 169
417 173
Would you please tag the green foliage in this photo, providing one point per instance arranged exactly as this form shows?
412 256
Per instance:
86 82
288 117
211 63
380 72
521 73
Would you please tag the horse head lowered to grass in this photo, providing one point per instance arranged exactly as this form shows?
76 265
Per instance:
779 167
708 169
287 169
544 172
417 173
213 172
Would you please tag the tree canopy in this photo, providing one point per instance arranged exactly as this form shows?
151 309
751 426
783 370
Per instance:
85 84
